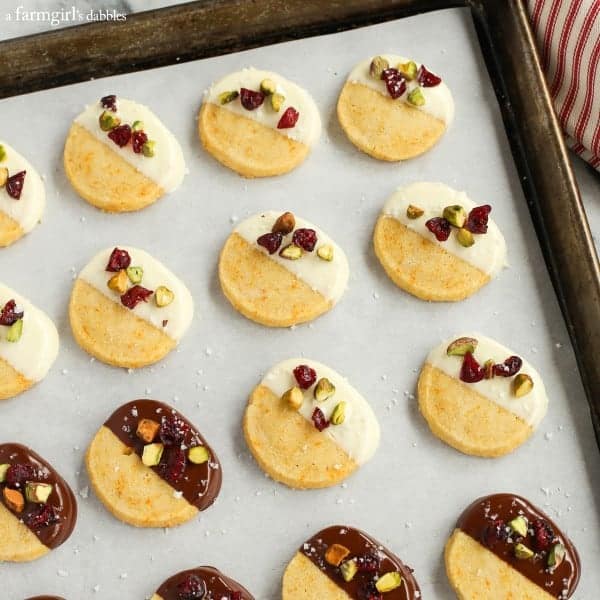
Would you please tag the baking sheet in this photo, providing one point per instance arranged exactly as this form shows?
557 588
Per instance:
411 493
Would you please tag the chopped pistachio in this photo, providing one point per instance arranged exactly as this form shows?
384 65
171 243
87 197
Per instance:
291 252
15 331
522 551
293 397
108 120
465 238
277 101
135 274
388 582
148 148
152 454
163 296
522 385
348 570
3 176
2 152
119 282
415 97
37 492
198 455
325 252
324 389
227 97
268 87
488 368
455 214
335 554
338 416
461 346
137 126
414 212
408 69
3 468
556 555
519 525
378 66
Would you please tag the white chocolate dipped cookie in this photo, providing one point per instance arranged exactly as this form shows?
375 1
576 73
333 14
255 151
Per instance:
28 343
22 196
280 270
479 397
393 108
436 243
127 309
257 123
307 427
120 157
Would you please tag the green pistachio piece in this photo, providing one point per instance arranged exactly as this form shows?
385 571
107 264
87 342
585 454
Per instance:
277 101
15 331
3 176
488 368
388 582
325 252
338 416
465 238
152 454
415 97
108 120
414 212
148 148
198 455
378 66
268 87
348 570
456 215
163 296
3 468
324 389
556 555
408 69
2 152
523 552
522 385
519 525
135 274
37 492
227 97
291 252
461 346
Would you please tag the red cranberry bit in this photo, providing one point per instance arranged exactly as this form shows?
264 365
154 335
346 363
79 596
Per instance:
236 595
119 259
477 221
305 376
191 588
319 419
543 535
133 296
9 316
394 82
251 99
18 474
15 183
471 371
43 516
138 139
174 467
511 366
495 532
288 119
305 238
109 102
368 563
270 241
173 430
120 135
427 78
440 227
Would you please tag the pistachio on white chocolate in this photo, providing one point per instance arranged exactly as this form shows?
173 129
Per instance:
414 212
268 87
15 331
163 296
324 389
291 252
416 97
227 97
465 238
325 252
2 152
408 70
522 384
135 274
338 416
3 176
461 346
107 121
277 101
378 66
455 215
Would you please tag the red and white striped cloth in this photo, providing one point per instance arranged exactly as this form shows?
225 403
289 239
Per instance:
568 36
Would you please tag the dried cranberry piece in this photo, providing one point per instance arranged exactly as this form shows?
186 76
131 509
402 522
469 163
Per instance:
120 135
394 82
138 139
305 376
471 370
172 430
495 532
251 99
133 296
236 595
173 467
368 563
43 516
270 241
8 316
109 102
289 118
18 474
511 366
319 420
305 238
15 183
440 227
543 535
427 78
477 221
191 588
119 259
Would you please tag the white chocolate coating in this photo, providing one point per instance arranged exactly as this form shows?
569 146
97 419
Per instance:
531 408
330 279
167 167
488 253
36 350
28 209
179 313
438 99
359 434
308 127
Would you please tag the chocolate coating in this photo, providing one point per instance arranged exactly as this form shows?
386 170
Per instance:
359 544
200 484
218 586
559 582
45 598
61 499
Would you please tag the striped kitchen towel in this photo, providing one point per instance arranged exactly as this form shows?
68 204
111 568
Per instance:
568 36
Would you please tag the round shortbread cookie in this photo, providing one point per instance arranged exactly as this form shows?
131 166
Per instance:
325 566
22 196
28 343
276 291
431 269
201 582
304 442
38 510
398 124
480 398
136 321
150 466
504 547
239 124
126 167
